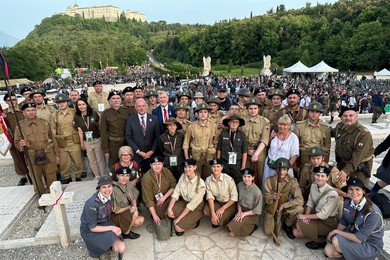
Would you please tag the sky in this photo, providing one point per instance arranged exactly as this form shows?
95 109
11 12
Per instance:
18 17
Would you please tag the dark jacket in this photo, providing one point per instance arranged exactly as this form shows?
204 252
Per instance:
381 148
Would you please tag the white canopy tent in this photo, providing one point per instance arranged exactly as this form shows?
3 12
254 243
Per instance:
383 72
322 67
298 67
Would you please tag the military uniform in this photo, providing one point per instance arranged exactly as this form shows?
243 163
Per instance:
129 105
354 146
290 197
173 146
220 192
265 104
98 102
184 124
38 135
45 112
271 114
112 131
297 115
152 185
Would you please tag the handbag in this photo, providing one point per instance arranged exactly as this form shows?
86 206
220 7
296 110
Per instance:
40 157
163 231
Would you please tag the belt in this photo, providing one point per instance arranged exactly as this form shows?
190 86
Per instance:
68 138
116 138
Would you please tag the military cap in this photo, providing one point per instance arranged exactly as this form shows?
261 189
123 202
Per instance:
184 94
315 151
353 181
222 88
214 100
259 90
276 92
216 161
253 101
6 96
226 121
243 92
315 106
181 106
123 170
138 87
25 89
321 169
104 180
61 98
189 161
97 82
127 89
172 121
37 91
113 93
293 91
343 109
151 93
156 159
281 163
202 106
247 171
27 105
198 95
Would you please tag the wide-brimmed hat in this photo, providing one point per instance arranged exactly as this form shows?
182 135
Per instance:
61 98
172 121
281 163
214 100
151 93
253 101
315 151
181 106
226 121
104 180
37 91
276 93
184 94
202 106
244 92
315 106
352 181
198 95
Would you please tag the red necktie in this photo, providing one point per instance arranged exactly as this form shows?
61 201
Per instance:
165 115
143 124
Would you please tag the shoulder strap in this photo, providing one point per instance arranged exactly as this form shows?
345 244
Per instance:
322 195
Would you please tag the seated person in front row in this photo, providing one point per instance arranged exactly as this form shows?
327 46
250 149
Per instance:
221 195
187 211
320 215
285 188
125 213
249 206
158 185
359 235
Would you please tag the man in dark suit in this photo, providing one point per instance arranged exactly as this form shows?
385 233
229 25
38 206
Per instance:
142 134
164 111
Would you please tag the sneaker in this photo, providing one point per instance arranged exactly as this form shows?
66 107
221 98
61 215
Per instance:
22 182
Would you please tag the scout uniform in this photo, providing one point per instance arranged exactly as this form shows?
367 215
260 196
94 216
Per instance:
312 135
232 146
271 112
154 186
324 202
184 122
202 140
266 103
43 111
68 141
151 93
299 114
38 135
290 197
354 150
217 116
112 130
25 101
249 198
98 102
128 104
257 131
219 192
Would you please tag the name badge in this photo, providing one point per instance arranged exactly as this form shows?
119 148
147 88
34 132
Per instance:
88 136
100 107
172 160
232 158
158 196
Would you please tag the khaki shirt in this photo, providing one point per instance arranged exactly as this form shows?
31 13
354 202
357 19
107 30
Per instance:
264 105
243 111
257 131
192 191
222 190
313 135
11 118
123 196
62 122
307 176
185 123
215 118
151 186
129 105
201 138
297 115
95 99
271 114
328 204
250 197
45 112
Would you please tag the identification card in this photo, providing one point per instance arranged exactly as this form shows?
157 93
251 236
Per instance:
172 160
88 136
232 158
100 107
158 196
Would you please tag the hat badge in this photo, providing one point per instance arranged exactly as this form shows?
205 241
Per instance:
282 164
203 105
315 106
215 161
124 170
60 98
322 169
186 163
155 159
313 151
246 172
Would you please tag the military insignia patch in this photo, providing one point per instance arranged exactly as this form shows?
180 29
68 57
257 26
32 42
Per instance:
360 145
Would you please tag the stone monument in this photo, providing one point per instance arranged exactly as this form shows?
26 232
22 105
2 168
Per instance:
267 65
206 66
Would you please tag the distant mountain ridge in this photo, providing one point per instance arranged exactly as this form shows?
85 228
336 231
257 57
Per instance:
7 40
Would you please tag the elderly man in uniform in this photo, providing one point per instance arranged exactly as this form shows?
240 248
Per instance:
293 110
43 111
257 132
25 92
312 132
354 147
128 99
243 96
11 116
151 99
42 149
98 98
271 112
67 138
112 128
202 137
261 95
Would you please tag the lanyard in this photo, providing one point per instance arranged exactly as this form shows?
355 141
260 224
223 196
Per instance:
158 181
86 122
234 138
172 146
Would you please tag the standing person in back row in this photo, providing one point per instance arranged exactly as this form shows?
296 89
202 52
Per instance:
98 99
378 106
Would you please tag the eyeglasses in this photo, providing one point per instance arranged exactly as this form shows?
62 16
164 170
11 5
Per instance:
126 154
13 99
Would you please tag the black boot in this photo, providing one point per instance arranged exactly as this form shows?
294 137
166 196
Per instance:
22 182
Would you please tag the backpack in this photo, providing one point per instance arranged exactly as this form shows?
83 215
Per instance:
383 203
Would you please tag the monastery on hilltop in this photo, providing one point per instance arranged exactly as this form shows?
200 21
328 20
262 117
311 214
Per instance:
109 13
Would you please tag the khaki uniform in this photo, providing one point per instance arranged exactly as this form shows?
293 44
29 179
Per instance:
192 193
45 112
38 135
185 123
220 192
202 141
271 114
62 124
151 107
257 131
243 111
325 209
353 147
129 105
95 99
250 198
264 105
151 186
290 197
112 132
215 118
312 135
122 197
298 115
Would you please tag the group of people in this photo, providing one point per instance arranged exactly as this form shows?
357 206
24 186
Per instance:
240 154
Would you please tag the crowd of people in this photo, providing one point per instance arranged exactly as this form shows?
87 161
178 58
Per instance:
222 148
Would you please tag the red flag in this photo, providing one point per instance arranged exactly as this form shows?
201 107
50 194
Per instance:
4 125
4 65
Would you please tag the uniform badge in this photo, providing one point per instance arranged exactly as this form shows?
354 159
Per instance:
360 145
